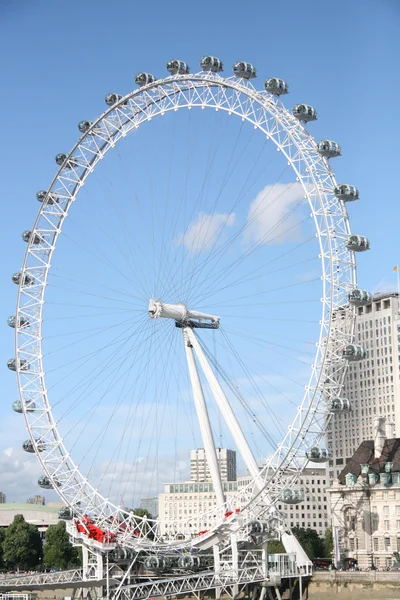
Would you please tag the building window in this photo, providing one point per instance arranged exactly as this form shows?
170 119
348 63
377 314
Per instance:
376 544
387 543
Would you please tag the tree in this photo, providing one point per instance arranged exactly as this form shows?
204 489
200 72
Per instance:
328 543
22 546
275 547
2 535
58 552
310 541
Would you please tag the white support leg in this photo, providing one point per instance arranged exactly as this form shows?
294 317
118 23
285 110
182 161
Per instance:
217 569
226 409
235 563
204 419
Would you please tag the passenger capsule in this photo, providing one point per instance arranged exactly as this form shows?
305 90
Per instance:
244 70
177 67
276 86
18 408
317 455
157 563
35 238
84 126
336 405
45 483
210 63
47 197
352 352
346 192
28 446
23 364
188 561
22 322
144 79
258 527
304 112
357 243
65 513
329 149
26 279
292 496
71 163
359 297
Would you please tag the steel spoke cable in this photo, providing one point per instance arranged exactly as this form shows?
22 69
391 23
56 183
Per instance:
101 369
256 246
243 402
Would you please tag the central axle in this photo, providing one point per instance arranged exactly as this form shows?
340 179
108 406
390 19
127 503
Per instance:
182 315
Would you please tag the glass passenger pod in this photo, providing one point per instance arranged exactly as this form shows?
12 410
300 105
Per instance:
65 513
45 483
84 126
28 446
112 99
33 238
353 352
359 297
71 163
244 70
346 192
336 405
18 408
276 86
142 79
258 527
292 496
177 67
22 322
189 561
357 243
26 279
329 149
304 112
317 455
211 63
47 197
157 563
23 364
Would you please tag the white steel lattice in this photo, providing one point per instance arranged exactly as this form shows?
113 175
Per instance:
338 275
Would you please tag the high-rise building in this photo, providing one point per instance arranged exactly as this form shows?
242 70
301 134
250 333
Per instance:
3 498
372 385
151 505
36 500
199 470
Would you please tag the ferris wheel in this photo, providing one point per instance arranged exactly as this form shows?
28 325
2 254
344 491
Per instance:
202 295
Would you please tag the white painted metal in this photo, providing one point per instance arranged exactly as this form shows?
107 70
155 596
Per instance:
203 418
226 410
178 312
271 119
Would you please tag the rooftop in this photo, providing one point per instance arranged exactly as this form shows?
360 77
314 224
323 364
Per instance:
365 453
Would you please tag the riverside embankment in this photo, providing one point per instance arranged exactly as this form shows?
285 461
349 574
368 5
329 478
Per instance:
353 585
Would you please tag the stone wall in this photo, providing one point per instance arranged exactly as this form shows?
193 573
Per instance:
353 585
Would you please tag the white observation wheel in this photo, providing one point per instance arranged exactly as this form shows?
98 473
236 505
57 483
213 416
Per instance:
180 265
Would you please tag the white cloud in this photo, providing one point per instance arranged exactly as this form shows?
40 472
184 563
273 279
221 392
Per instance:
269 221
204 231
19 472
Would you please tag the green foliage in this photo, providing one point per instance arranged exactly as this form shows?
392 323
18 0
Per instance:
57 550
328 543
22 546
275 547
2 536
312 544
141 512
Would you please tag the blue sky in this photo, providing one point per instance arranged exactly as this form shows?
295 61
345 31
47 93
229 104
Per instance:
60 59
